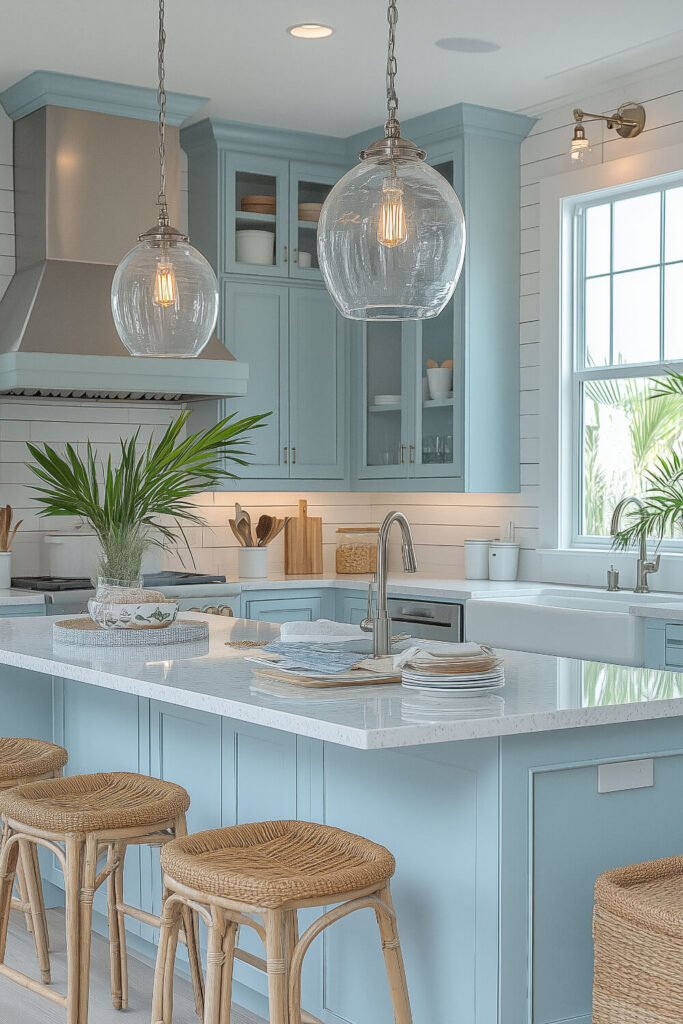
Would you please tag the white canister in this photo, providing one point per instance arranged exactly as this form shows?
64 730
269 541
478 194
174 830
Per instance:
254 247
477 559
252 563
5 570
503 560
440 381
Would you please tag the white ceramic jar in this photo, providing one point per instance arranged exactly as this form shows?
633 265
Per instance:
252 563
5 570
477 559
254 247
503 560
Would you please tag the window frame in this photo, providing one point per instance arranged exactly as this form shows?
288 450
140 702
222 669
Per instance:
572 282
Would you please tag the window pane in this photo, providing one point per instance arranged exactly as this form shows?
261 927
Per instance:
597 321
623 433
674 225
636 317
673 311
636 232
597 240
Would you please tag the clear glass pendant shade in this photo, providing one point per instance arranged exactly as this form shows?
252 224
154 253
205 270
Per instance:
164 299
391 237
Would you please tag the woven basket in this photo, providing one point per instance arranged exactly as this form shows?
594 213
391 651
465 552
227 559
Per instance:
638 939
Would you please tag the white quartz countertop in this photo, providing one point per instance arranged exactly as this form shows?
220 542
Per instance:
400 584
541 692
13 596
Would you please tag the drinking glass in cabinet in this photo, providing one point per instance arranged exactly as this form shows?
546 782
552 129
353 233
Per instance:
310 198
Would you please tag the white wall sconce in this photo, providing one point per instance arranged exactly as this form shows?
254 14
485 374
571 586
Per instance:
628 122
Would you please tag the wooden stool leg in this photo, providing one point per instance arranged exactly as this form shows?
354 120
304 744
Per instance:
8 867
87 893
291 939
41 898
74 852
162 1000
229 943
393 959
191 930
277 957
121 930
33 889
114 934
215 957
22 893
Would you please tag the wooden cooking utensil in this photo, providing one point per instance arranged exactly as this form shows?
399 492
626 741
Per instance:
236 532
304 543
263 529
278 527
243 522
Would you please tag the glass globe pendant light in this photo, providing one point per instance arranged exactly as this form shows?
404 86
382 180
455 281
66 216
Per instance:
391 234
164 296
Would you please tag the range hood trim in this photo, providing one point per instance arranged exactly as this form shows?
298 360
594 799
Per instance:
188 378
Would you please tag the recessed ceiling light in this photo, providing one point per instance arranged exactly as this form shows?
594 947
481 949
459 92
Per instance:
465 44
309 30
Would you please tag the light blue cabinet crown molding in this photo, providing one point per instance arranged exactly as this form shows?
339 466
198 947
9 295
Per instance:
51 88
280 143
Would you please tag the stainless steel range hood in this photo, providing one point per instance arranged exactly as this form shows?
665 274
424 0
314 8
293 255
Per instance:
84 189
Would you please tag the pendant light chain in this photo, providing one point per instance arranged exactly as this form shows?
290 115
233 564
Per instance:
161 98
392 128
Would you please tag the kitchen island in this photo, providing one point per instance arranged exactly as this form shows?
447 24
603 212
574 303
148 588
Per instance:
500 809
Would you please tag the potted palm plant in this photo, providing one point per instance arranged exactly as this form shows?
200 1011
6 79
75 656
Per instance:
661 509
146 499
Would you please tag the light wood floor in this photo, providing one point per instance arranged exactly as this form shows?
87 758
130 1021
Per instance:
18 1006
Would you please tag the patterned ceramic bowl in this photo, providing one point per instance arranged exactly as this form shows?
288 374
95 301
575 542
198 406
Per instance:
148 615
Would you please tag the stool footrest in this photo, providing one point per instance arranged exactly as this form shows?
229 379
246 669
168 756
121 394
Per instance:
32 985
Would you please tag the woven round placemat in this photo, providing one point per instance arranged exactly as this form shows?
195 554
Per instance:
85 633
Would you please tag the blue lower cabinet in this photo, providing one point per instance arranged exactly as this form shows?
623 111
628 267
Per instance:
351 607
558 834
14 610
288 606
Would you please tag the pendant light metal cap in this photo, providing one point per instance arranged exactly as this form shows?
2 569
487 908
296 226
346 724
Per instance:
393 148
163 233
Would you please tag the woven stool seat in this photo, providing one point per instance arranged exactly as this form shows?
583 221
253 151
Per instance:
274 862
91 803
27 758
638 937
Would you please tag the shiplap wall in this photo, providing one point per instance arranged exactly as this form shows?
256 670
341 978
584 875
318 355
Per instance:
441 521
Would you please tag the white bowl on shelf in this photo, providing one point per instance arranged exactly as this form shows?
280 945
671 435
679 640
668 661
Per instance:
253 246
387 400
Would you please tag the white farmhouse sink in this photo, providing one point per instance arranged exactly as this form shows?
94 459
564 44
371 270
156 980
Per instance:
593 625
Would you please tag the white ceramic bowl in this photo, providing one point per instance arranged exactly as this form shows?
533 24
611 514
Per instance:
253 246
150 615
440 381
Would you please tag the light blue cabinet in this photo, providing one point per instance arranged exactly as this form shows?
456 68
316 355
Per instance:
244 175
293 340
351 607
288 606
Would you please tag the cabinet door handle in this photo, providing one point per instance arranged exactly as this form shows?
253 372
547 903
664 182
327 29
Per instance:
295 253
403 454
286 449
294 456
412 453
286 255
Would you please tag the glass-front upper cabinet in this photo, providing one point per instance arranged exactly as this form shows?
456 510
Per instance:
387 398
255 215
309 187
438 399
271 212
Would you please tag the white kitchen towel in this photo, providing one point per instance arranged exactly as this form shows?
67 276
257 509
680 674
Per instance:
320 631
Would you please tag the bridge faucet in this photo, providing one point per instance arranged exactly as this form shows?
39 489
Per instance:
643 567
380 623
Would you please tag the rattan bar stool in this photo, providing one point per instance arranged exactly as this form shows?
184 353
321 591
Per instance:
22 760
260 875
82 819
638 939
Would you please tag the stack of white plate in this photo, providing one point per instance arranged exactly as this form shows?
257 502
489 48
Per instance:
465 673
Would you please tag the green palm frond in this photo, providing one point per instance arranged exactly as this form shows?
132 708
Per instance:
125 508
662 507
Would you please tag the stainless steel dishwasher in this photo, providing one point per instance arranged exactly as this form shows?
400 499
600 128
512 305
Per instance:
430 620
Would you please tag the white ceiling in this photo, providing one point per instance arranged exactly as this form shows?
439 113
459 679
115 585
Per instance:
237 52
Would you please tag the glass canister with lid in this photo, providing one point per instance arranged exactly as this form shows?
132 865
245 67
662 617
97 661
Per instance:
356 549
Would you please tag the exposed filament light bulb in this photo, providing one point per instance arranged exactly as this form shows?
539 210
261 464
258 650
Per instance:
165 285
391 226
580 144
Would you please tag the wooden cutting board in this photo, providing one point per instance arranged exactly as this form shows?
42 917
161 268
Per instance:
303 543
